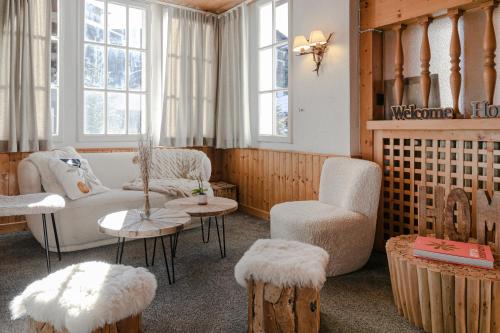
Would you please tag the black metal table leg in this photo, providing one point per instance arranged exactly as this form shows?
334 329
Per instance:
118 251
122 248
166 261
172 256
203 230
146 252
154 252
224 235
46 242
218 237
55 235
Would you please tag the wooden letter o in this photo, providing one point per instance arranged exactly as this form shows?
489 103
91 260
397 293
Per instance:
459 197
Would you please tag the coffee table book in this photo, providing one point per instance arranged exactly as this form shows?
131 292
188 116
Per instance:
453 252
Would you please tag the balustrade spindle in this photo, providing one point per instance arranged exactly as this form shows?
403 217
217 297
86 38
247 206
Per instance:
425 58
489 47
455 52
398 65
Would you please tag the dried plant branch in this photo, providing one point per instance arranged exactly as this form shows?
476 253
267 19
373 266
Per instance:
145 159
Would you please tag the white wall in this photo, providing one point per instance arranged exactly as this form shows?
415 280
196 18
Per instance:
330 120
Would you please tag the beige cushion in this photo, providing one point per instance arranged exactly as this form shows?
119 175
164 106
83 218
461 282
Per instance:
77 181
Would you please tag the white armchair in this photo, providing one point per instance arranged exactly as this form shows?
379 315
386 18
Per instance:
342 221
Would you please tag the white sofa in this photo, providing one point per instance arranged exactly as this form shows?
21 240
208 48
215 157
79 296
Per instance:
342 221
77 223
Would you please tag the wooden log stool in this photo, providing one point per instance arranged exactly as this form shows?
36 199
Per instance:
87 297
283 279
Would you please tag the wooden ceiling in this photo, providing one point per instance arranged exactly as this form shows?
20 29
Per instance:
213 6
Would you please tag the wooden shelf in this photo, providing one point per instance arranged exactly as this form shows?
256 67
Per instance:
438 124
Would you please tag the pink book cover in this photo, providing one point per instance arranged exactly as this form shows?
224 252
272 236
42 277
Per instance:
457 252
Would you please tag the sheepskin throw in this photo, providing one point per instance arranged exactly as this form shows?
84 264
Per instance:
86 296
30 204
283 263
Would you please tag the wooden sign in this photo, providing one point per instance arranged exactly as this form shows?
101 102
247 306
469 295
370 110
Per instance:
443 212
402 112
485 110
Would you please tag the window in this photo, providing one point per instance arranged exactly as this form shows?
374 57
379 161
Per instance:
115 50
273 69
54 67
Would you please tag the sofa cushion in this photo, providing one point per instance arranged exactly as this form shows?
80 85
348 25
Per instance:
76 178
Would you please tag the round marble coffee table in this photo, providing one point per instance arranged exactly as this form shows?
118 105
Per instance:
131 224
215 207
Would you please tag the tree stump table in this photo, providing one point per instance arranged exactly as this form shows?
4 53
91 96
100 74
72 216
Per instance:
442 297
283 294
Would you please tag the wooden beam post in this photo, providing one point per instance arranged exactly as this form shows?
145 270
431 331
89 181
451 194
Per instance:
371 86
399 60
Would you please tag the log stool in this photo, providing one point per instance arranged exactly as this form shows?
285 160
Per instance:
283 279
87 297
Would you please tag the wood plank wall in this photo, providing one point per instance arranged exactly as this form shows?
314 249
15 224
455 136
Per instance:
267 177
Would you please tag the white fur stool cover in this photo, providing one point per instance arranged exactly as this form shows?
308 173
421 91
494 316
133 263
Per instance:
86 296
283 263
283 279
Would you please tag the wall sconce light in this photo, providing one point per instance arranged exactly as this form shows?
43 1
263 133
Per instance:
316 45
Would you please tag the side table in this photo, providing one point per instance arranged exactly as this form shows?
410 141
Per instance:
442 297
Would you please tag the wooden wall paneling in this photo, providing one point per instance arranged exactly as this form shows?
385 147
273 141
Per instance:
376 14
455 52
489 47
425 58
371 84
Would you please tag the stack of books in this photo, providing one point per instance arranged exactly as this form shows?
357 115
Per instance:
453 252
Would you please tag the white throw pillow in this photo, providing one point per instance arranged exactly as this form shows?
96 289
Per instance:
76 177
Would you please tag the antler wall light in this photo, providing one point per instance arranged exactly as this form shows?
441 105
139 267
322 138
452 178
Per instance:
316 45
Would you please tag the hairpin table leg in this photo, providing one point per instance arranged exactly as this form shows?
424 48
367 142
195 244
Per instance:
55 235
46 242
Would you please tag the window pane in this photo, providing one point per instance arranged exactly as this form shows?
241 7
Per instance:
93 116
136 70
117 24
281 54
116 113
282 113
53 62
265 69
266 114
137 33
94 66
54 17
282 22
136 108
54 110
266 24
116 68
94 21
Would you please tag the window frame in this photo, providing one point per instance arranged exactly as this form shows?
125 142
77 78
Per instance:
58 39
85 138
274 44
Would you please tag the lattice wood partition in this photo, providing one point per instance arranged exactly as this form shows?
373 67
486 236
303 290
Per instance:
462 158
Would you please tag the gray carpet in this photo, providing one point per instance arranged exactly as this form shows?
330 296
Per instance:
205 297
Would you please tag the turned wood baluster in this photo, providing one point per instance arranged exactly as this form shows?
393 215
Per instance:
398 65
489 47
455 51
425 58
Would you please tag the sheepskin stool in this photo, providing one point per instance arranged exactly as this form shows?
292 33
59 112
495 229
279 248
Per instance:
87 297
283 279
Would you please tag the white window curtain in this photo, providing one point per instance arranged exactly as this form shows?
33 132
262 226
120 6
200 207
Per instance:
24 75
233 118
190 79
